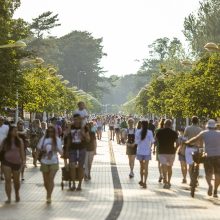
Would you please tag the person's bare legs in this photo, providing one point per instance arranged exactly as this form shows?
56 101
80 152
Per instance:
184 170
2 172
146 163
81 175
131 159
73 174
7 173
164 170
16 180
141 171
217 183
49 183
169 172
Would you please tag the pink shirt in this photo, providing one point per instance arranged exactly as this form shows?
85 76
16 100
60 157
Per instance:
13 155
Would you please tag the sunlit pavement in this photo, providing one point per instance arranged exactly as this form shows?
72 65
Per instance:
101 199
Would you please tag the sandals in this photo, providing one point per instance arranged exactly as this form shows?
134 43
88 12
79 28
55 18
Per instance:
141 183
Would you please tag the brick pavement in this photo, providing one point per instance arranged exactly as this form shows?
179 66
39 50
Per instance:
94 202
97 198
158 203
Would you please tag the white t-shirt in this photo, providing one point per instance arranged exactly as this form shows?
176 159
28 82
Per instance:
84 114
144 146
50 157
3 132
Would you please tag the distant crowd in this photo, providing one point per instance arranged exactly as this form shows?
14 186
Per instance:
75 139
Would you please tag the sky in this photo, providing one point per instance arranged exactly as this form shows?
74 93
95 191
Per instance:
126 26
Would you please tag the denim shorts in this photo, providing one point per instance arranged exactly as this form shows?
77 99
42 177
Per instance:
143 157
77 156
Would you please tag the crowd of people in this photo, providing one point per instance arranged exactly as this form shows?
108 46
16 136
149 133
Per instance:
75 140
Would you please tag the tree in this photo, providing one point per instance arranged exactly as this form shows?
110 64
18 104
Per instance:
11 30
44 23
80 63
203 27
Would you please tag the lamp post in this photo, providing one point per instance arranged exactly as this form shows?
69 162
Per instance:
36 61
79 78
212 47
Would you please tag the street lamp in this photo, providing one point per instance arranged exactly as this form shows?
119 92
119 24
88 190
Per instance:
17 44
212 47
80 73
36 61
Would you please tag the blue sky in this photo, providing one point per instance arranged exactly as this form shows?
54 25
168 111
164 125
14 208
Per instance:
127 26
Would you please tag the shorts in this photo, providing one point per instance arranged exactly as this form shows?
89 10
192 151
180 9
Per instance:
45 168
182 158
143 157
14 167
99 128
188 154
111 128
167 159
212 165
77 156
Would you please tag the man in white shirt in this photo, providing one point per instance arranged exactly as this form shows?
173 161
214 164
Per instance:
3 134
82 112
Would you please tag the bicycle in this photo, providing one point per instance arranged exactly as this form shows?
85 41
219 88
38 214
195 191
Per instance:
198 158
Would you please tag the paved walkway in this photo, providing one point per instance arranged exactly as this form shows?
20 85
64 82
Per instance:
110 194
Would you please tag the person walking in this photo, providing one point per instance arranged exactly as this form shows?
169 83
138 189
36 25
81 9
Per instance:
13 160
48 147
3 134
144 140
167 138
23 135
82 112
36 134
190 132
90 151
181 154
211 139
99 125
131 149
112 128
155 151
76 148
117 130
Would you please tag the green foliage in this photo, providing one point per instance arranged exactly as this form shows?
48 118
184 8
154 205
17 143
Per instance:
185 94
80 61
10 30
44 23
203 27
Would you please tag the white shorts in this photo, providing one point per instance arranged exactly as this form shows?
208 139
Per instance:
188 154
167 159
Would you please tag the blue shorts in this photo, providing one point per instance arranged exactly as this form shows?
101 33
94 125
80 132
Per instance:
143 157
77 156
